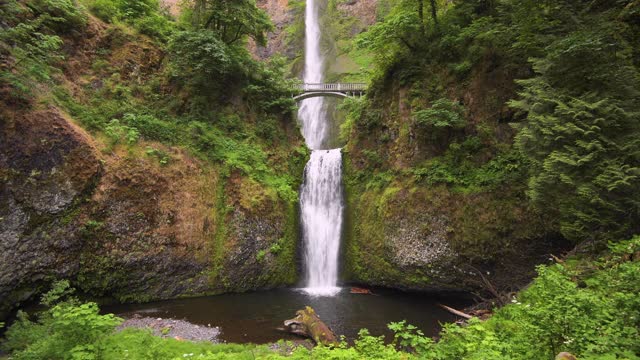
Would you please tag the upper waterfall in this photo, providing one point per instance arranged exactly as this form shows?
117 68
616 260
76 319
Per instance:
312 112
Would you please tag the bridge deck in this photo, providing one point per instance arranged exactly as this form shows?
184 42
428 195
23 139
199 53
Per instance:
336 87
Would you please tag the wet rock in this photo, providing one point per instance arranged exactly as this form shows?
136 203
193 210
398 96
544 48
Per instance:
420 241
46 164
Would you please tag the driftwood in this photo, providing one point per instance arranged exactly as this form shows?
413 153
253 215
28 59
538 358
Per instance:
456 312
358 290
308 324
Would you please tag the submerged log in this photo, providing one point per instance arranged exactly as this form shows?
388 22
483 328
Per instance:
456 312
308 324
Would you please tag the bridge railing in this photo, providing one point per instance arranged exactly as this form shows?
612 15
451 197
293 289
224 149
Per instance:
320 87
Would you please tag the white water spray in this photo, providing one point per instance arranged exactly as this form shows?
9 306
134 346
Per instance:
321 202
322 206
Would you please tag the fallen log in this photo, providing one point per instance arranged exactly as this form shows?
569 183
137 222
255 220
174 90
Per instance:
308 324
456 312
565 356
358 290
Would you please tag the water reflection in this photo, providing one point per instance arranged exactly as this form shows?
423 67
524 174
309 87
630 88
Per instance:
256 317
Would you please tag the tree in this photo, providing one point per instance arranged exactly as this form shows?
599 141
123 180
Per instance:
434 11
583 134
232 20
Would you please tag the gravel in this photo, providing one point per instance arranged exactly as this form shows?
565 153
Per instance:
171 328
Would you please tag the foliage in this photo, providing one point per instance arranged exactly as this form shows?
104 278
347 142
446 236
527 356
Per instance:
203 58
409 338
68 329
60 15
118 133
582 132
457 167
268 87
590 312
442 119
443 114
107 10
152 128
162 156
400 34
577 104
231 21
354 108
145 15
28 47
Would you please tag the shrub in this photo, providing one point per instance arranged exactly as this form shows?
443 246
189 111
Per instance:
443 114
134 9
106 10
152 128
154 25
29 49
62 15
68 329
118 133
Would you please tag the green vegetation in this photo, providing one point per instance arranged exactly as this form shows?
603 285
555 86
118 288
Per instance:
588 307
148 86
144 15
30 46
206 70
513 111
569 72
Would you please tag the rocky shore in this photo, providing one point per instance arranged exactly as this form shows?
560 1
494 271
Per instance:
171 328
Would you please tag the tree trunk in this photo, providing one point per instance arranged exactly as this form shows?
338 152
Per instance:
421 14
308 324
434 11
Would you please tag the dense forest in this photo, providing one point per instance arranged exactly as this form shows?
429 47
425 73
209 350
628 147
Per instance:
151 151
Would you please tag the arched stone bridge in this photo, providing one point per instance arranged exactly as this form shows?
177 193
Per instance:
341 90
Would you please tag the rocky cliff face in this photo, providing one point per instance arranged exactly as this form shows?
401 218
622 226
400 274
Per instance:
46 166
122 225
279 41
120 221
410 233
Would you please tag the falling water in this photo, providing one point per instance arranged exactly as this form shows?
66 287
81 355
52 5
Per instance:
321 200
321 206
312 111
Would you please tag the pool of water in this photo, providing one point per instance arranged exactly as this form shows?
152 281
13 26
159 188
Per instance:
257 316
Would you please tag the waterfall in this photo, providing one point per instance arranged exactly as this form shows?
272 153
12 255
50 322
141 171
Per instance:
321 207
321 203
312 111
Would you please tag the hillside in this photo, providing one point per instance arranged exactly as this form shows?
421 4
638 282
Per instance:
115 177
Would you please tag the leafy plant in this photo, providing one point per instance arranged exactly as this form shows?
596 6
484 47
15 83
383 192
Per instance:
29 48
275 248
409 338
443 114
162 156
67 329
117 133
